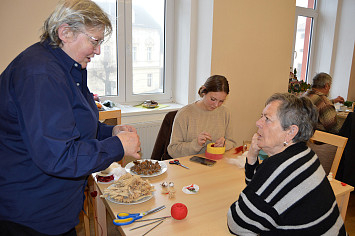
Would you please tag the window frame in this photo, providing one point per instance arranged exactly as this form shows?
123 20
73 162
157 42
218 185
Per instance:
124 56
306 12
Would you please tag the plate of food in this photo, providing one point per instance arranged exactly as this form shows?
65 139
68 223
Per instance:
146 168
128 190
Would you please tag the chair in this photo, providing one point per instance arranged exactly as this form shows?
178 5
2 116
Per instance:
160 150
346 172
107 116
330 152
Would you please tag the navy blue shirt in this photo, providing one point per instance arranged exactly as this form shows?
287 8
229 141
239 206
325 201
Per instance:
50 140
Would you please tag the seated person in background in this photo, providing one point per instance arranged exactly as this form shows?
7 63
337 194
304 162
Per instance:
318 94
202 121
288 193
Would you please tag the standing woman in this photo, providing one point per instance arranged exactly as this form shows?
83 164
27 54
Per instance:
50 136
203 121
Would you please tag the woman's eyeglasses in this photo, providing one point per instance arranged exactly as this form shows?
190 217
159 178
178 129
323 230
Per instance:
95 42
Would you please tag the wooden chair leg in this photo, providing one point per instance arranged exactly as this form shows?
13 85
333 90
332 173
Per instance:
86 216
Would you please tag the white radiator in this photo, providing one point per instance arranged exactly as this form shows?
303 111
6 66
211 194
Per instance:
147 132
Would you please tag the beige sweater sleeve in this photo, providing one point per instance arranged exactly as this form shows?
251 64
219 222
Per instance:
190 121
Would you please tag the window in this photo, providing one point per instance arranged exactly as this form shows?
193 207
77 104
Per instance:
133 63
149 53
305 20
149 80
134 53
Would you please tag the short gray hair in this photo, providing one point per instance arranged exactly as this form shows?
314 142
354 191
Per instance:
78 14
296 111
321 79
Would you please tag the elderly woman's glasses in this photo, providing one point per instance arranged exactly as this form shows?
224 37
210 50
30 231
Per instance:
95 42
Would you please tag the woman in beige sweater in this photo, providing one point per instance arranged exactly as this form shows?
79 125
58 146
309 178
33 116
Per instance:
204 121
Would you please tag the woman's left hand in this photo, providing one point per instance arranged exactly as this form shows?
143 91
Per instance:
220 142
120 128
254 149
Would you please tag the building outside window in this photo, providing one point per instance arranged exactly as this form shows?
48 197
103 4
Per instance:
135 54
149 80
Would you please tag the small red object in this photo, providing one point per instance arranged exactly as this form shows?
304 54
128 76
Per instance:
238 149
344 184
93 194
105 179
179 211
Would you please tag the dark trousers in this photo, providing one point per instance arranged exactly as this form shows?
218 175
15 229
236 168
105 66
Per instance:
8 228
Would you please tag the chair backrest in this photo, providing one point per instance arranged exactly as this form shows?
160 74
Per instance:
160 150
332 139
108 115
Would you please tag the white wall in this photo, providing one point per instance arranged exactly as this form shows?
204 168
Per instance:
193 48
181 84
21 23
341 66
252 47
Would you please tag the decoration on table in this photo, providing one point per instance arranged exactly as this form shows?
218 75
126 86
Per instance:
113 172
129 189
109 104
297 87
330 176
213 152
240 149
179 211
146 167
349 104
239 160
168 189
96 98
191 189
103 106
150 104
105 179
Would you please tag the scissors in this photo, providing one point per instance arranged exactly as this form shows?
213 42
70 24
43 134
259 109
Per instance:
127 218
177 162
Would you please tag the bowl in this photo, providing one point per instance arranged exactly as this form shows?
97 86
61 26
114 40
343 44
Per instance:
213 152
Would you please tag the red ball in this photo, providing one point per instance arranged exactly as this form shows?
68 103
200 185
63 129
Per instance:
178 211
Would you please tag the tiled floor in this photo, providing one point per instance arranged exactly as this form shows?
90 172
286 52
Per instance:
112 231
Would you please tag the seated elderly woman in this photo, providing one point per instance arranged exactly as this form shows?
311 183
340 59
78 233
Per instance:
288 193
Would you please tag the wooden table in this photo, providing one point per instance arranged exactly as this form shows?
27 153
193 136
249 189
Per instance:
220 186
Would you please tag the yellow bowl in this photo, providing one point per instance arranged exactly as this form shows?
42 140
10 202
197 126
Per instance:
214 152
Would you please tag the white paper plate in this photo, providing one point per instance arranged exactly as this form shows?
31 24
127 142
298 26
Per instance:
129 203
185 190
162 164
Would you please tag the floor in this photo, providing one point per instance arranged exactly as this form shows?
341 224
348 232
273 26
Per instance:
112 231
350 216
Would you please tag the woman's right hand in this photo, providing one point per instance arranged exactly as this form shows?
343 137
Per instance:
253 150
131 143
203 137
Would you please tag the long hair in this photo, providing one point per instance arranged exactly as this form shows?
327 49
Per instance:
215 83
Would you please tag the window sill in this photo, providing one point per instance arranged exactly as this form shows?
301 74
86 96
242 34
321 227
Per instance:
127 110
131 114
